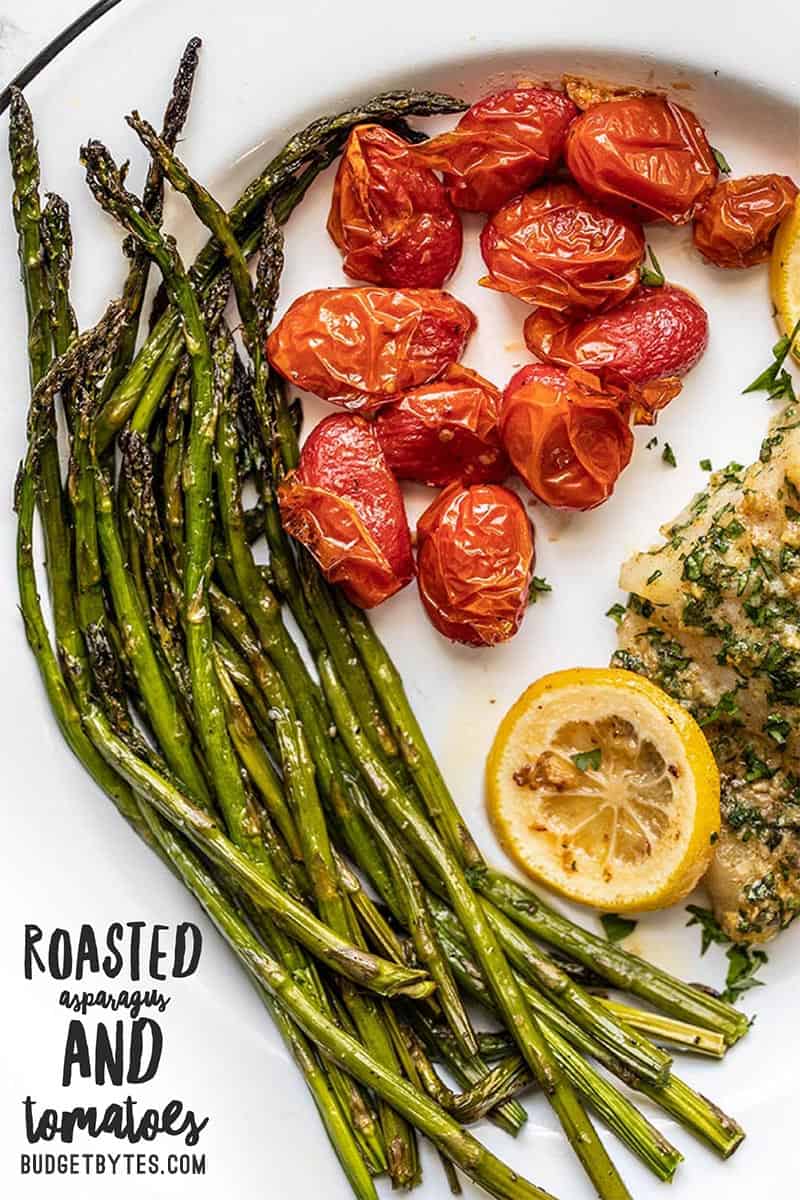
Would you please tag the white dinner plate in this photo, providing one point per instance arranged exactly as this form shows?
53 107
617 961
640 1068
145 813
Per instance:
70 859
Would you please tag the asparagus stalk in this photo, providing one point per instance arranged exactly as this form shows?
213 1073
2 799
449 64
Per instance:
162 706
328 1107
417 920
106 184
232 621
255 760
56 235
430 782
622 969
172 465
635 1053
404 814
666 1029
169 365
133 292
163 596
508 1115
49 494
693 1111
365 969
334 1043
502 1083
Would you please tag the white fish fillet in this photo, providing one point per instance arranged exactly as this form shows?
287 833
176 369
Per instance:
714 619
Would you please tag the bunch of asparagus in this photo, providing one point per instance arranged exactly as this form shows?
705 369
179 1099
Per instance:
304 810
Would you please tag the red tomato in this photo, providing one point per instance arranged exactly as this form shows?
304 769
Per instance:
344 504
567 436
362 347
390 215
656 332
552 377
555 248
475 563
501 146
445 431
738 224
641 402
643 155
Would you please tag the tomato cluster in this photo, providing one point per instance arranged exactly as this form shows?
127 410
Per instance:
611 338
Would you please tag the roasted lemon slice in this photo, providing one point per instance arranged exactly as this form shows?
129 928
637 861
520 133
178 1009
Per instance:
784 273
601 786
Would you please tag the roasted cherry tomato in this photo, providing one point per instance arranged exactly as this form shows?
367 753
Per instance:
644 156
737 226
501 146
566 434
390 215
556 248
475 563
655 333
344 504
361 347
445 431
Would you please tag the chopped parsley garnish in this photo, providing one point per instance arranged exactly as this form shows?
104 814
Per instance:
756 767
721 161
668 455
617 928
710 932
628 662
733 472
652 276
588 760
638 605
726 706
616 612
775 380
777 728
653 442
743 963
538 586
705 464
656 575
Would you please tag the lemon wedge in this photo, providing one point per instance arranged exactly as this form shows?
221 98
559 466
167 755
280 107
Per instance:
602 787
784 273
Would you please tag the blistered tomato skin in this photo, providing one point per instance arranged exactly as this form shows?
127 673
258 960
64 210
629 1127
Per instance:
555 248
644 156
737 226
390 215
475 563
567 436
656 333
344 504
361 347
501 146
553 377
445 432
